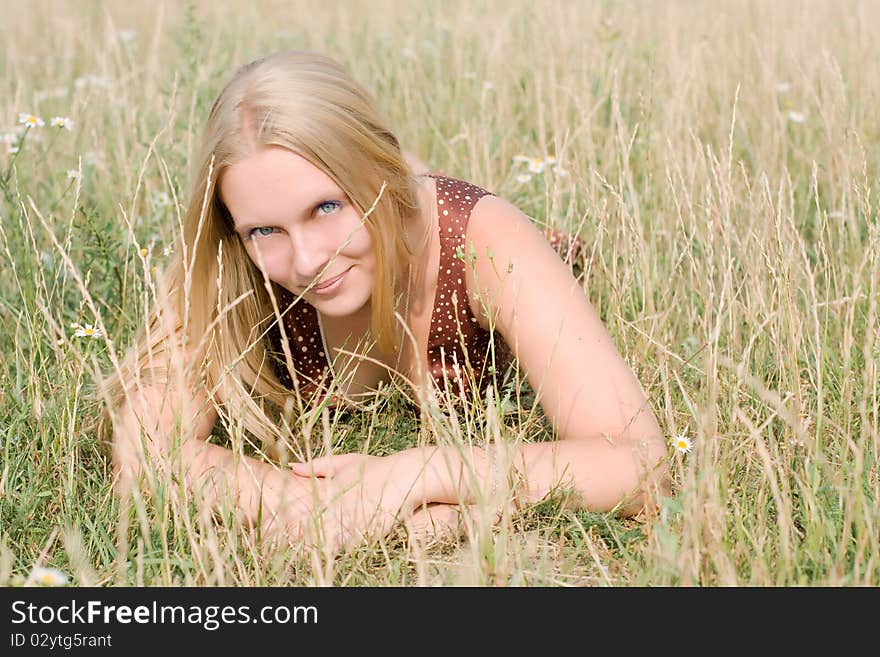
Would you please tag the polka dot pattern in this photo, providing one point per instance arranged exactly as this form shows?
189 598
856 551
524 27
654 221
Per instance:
310 363
455 338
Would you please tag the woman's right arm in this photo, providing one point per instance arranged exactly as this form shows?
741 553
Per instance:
144 434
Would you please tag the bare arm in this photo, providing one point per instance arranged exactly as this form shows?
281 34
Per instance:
610 447
610 451
144 445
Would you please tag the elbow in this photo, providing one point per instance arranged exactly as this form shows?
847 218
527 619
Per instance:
654 478
659 473
137 459
128 464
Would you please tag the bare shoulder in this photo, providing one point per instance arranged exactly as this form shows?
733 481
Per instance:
494 213
498 235
500 238
545 316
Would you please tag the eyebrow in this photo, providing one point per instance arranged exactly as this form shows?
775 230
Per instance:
328 194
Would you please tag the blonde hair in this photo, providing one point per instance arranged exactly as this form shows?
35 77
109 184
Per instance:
309 104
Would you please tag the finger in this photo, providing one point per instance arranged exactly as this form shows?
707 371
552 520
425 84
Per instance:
435 522
325 529
356 527
307 469
324 466
322 531
337 533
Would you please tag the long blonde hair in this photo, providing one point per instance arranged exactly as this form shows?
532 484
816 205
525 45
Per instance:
212 294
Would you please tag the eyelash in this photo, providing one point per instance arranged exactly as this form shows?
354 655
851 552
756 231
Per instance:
336 205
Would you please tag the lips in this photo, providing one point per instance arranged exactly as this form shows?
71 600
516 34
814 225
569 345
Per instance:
329 286
329 282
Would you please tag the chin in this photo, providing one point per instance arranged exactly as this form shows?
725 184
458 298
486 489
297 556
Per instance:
344 304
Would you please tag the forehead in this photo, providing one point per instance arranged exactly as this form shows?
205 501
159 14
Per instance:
271 183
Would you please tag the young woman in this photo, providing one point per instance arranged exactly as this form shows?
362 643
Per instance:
319 264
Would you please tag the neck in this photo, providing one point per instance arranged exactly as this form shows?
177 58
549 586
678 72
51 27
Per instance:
357 323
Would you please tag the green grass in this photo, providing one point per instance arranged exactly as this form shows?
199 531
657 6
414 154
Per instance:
735 265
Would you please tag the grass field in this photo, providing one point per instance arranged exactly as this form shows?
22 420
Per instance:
722 164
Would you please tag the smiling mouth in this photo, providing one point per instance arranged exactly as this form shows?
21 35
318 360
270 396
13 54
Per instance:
329 282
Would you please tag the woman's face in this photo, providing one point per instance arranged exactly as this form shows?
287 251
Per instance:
304 227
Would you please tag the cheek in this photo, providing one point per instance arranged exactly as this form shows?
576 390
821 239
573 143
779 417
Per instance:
268 253
361 244
366 243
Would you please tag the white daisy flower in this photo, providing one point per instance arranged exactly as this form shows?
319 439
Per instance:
536 165
12 149
523 178
550 160
62 122
87 331
161 199
73 174
796 117
682 444
30 121
48 576
168 250
10 137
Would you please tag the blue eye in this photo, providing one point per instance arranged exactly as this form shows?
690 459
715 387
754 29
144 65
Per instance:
332 204
323 209
251 231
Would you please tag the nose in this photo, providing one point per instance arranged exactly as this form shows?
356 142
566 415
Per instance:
310 257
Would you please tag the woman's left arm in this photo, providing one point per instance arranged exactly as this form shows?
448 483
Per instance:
610 449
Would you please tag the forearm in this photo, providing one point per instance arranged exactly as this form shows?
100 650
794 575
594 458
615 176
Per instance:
603 474
259 490
217 475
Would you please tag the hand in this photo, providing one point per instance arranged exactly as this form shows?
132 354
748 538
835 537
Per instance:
283 505
360 496
438 522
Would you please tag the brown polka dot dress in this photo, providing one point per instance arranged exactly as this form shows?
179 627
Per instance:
461 353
